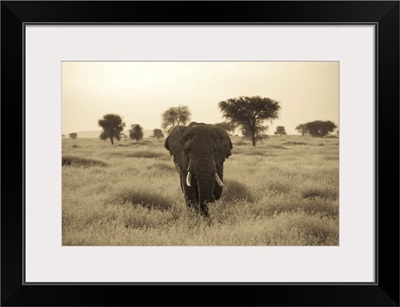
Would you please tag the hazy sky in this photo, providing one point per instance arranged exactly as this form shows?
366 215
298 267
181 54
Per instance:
141 91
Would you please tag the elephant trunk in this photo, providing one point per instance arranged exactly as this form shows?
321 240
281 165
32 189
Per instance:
204 187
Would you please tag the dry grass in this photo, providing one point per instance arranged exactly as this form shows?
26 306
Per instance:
80 161
282 192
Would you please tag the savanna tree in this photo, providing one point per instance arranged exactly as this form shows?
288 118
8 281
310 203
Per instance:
302 129
112 127
136 132
319 128
73 135
157 133
249 113
175 116
280 130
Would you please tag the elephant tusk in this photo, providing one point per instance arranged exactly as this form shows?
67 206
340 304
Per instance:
218 180
189 179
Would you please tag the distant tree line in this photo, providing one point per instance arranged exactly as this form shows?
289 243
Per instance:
248 114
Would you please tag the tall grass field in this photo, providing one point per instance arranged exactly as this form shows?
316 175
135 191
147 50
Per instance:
283 192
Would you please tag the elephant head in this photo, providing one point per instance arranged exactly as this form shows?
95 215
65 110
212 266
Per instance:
199 151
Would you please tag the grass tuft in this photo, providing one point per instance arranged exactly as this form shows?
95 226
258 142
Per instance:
315 192
278 187
257 153
143 199
277 146
335 158
240 143
139 154
162 166
235 190
145 218
294 143
79 161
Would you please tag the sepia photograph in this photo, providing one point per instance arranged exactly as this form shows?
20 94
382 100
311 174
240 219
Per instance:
200 153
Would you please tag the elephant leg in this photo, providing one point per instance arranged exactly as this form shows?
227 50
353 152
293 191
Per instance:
204 210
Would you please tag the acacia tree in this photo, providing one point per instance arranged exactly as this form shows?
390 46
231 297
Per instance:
280 130
73 135
175 116
136 132
302 129
249 113
319 128
112 127
157 133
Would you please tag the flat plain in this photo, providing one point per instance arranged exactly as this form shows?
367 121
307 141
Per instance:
283 192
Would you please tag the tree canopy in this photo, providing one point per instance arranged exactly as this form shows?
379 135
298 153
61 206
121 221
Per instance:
249 113
157 133
320 128
112 127
227 126
136 132
302 129
73 135
175 116
280 130
317 128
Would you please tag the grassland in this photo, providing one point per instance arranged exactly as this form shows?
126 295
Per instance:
282 192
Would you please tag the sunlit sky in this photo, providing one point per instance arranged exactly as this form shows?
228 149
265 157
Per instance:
141 91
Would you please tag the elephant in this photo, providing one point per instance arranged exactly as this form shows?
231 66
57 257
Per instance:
199 151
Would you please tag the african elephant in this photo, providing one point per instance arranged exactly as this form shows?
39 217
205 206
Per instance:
199 151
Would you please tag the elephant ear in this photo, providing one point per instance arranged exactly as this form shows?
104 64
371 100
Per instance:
174 144
224 143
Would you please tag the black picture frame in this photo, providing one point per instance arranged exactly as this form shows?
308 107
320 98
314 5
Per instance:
383 14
